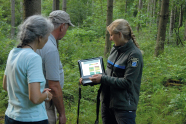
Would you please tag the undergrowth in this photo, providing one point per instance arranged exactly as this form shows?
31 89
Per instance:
163 90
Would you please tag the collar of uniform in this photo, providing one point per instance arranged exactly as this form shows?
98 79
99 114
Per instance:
125 47
53 39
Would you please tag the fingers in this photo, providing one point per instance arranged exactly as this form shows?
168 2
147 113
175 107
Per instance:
49 96
46 89
95 75
96 78
80 81
93 79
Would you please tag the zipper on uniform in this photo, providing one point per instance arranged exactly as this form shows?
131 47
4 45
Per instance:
128 97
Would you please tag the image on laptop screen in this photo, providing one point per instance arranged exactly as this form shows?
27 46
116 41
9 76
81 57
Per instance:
91 67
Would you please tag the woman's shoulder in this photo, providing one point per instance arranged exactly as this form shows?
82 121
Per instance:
136 53
30 55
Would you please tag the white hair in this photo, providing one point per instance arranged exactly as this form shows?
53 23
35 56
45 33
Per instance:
33 27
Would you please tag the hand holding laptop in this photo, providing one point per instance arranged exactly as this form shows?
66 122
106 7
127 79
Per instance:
95 78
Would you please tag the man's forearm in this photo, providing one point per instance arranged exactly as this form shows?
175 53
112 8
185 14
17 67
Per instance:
57 96
58 102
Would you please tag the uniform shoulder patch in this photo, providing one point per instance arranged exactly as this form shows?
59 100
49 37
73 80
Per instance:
134 62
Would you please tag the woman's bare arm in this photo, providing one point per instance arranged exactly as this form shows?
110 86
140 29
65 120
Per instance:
4 83
35 95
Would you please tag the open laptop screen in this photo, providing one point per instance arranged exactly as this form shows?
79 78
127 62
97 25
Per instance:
89 67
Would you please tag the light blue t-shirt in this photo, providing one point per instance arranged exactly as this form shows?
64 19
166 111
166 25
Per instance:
24 66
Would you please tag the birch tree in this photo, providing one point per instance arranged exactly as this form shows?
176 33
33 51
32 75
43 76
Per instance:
171 22
181 17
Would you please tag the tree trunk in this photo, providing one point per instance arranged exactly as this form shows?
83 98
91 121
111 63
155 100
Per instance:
140 4
64 7
55 5
125 6
139 13
21 9
176 16
109 21
185 32
158 13
12 18
164 15
151 7
171 23
181 17
31 7
148 8
154 8
151 12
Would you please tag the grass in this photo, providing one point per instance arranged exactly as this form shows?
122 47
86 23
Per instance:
163 90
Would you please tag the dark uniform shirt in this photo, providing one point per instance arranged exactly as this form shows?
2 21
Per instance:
121 84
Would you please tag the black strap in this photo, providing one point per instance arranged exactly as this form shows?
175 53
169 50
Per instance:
79 103
97 107
98 104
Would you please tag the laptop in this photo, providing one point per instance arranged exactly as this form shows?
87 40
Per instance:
89 67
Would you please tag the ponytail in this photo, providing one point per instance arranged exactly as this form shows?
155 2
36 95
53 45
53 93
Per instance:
133 37
21 45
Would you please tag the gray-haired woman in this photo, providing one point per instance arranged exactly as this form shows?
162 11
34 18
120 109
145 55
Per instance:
24 80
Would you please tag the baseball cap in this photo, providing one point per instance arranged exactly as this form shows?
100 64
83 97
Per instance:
60 16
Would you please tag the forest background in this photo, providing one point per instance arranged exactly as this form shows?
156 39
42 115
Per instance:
163 90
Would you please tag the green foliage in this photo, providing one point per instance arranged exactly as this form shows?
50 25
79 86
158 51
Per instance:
5 46
79 44
3 97
97 20
46 7
79 10
158 104
5 27
5 16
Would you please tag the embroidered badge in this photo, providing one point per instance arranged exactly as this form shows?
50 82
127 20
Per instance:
134 62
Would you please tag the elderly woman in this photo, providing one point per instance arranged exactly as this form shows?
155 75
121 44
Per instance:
24 80
121 83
